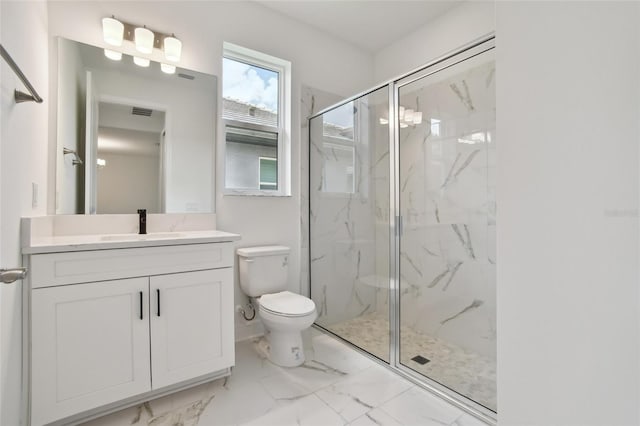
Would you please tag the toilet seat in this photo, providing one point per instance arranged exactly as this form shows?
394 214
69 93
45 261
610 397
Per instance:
287 304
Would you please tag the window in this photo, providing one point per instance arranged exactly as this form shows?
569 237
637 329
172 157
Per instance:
256 120
339 127
268 173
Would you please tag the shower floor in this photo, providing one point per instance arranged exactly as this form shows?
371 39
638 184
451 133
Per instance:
467 373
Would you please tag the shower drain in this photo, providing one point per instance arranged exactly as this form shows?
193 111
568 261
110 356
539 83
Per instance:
420 359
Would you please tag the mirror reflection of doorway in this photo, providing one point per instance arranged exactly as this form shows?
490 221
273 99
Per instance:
128 163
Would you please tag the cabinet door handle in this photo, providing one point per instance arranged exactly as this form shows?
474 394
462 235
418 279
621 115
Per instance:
158 293
141 305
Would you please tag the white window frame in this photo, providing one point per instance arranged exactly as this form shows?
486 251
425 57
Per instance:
283 129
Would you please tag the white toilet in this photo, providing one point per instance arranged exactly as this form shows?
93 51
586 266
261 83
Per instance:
263 277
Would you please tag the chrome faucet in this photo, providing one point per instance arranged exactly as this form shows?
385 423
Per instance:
142 221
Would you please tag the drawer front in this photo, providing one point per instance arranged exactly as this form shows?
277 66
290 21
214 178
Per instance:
55 269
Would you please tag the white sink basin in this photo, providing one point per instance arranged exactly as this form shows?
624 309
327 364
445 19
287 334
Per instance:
141 237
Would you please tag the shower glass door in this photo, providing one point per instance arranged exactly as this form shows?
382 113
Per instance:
402 255
349 221
446 197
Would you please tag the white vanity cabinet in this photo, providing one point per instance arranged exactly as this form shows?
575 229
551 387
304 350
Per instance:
89 346
110 328
188 315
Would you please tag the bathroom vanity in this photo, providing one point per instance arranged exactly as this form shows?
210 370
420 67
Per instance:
115 319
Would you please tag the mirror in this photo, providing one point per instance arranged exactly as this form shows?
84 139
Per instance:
131 137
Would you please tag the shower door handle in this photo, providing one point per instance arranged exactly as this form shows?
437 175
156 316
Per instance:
399 227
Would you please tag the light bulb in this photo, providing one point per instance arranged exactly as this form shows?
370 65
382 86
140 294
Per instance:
112 31
172 49
141 62
169 69
112 54
144 40
408 116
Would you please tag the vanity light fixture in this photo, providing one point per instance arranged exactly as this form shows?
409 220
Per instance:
101 162
144 40
112 54
408 117
168 69
115 32
112 31
141 62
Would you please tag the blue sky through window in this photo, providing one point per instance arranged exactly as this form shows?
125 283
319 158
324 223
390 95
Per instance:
250 84
341 116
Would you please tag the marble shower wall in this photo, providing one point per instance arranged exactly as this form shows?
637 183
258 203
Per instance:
447 197
349 172
312 101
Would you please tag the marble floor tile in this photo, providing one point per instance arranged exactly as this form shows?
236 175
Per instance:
251 365
236 405
375 417
335 386
327 350
292 383
418 407
306 411
468 420
363 391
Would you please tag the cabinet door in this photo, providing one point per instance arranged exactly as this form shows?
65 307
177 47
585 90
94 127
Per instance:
191 325
90 346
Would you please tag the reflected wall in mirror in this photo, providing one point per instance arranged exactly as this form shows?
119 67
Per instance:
146 139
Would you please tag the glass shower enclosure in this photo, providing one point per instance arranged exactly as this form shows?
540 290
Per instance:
402 225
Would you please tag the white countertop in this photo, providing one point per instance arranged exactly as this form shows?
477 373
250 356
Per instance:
68 243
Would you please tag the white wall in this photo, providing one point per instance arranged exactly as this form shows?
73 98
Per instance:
568 107
317 61
23 161
455 28
137 173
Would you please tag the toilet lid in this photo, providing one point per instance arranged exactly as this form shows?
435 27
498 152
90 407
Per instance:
287 303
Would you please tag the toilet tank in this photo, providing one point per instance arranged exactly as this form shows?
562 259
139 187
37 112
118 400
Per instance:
263 270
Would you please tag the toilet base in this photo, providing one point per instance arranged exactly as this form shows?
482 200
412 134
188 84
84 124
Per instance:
285 348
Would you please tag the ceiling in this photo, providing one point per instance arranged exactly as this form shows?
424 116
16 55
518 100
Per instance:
368 24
